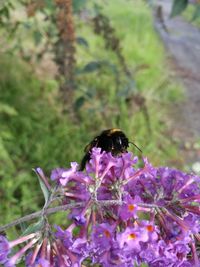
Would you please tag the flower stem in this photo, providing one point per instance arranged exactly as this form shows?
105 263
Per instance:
39 213
56 209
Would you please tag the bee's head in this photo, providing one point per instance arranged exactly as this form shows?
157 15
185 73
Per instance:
119 142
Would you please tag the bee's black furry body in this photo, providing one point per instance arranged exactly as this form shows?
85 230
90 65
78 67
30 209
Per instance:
111 140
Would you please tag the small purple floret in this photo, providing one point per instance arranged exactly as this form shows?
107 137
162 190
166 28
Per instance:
4 249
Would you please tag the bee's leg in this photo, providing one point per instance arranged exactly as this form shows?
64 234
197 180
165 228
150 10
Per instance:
84 160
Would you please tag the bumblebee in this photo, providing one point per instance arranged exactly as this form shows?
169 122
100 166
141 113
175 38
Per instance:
111 140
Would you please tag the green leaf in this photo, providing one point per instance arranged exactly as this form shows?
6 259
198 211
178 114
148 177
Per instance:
91 92
79 103
178 7
78 5
97 9
5 12
44 188
26 24
144 265
35 227
4 155
82 41
196 13
97 65
50 5
4 108
37 37
92 66
127 89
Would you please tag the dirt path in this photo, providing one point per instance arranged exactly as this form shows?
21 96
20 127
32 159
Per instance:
182 42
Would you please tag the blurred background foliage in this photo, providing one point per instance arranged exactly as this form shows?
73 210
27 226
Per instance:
189 8
69 69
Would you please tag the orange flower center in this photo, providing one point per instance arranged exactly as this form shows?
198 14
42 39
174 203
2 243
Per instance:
131 207
131 236
150 228
107 233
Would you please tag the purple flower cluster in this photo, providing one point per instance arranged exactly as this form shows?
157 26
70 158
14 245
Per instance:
128 216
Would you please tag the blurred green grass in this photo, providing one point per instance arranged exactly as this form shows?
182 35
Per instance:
34 131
